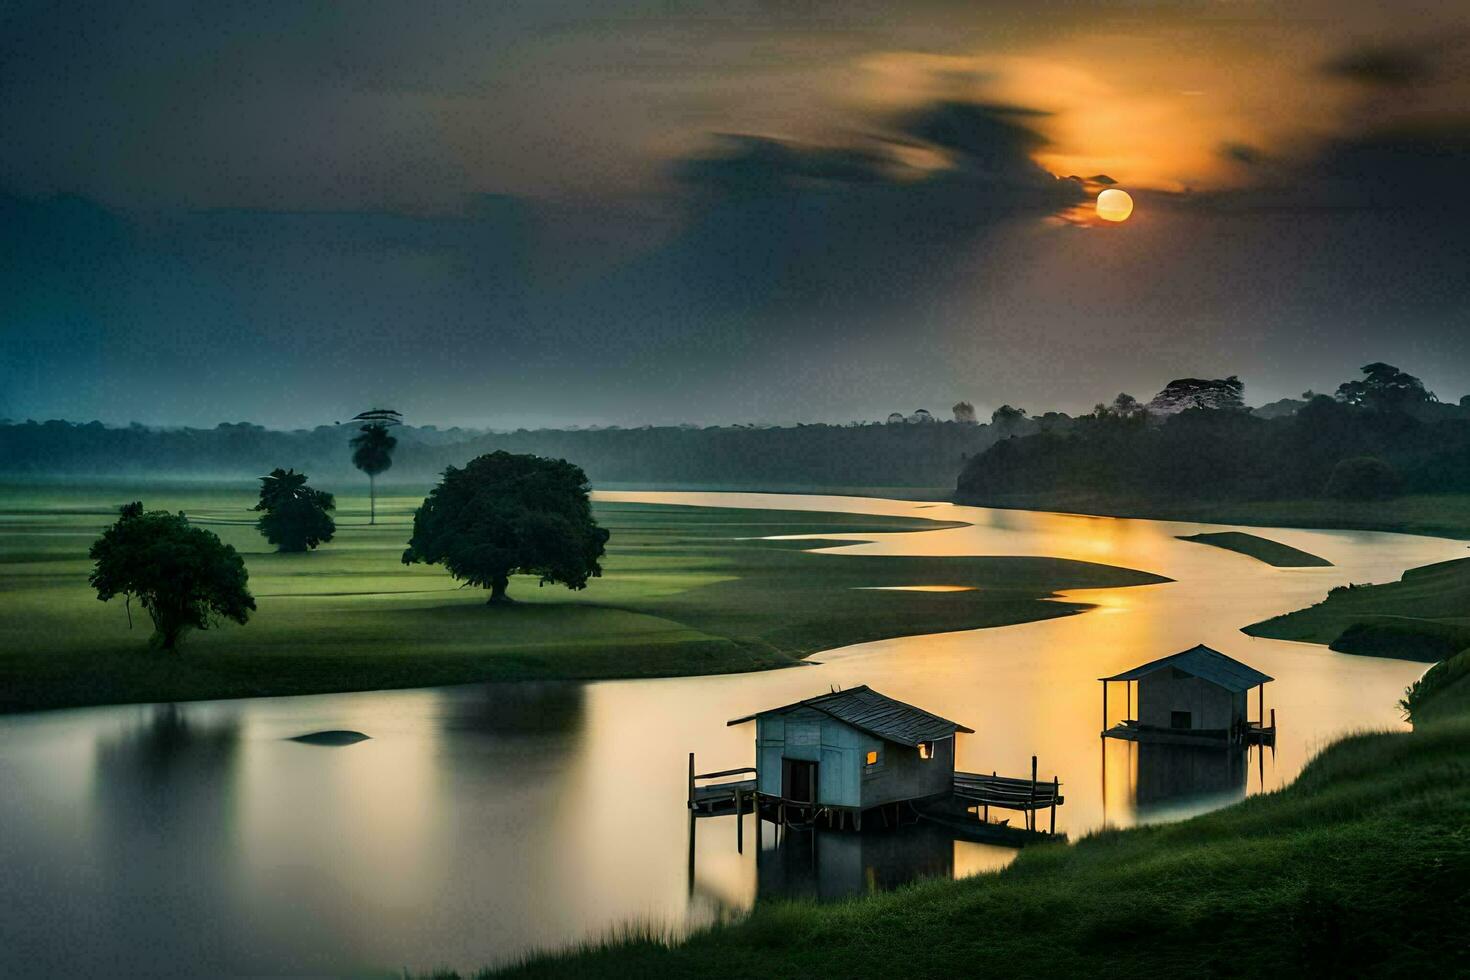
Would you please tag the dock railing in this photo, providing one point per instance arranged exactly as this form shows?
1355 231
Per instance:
714 797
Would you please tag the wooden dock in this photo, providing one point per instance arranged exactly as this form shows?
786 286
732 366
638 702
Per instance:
1027 796
728 796
1251 733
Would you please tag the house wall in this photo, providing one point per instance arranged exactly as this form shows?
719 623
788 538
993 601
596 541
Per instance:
816 737
1166 691
902 775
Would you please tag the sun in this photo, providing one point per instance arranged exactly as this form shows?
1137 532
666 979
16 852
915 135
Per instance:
1114 205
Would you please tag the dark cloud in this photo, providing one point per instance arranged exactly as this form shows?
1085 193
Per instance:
1242 153
1384 65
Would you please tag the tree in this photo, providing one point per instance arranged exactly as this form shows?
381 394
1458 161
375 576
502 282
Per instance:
372 450
1007 418
295 516
1182 394
184 577
505 514
964 413
1384 388
1363 478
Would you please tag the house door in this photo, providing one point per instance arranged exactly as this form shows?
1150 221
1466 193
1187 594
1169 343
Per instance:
799 780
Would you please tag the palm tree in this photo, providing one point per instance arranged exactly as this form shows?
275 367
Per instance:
372 450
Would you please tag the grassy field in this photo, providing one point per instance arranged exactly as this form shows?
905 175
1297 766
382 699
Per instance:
683 593
1423 616
1442 515
1259 548
1360 868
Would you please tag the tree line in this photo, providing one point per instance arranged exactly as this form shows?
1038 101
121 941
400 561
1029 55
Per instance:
729 456
1377 436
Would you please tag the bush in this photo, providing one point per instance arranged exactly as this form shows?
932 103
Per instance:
1363 478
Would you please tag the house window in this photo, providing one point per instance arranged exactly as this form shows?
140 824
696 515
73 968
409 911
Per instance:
1180 719
873 758
926 750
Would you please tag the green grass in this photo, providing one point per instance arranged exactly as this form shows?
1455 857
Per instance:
1423 616
682 594
1441 515
1360 868
1259 548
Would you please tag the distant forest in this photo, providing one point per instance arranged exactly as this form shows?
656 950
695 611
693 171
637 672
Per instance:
915 453
1376 437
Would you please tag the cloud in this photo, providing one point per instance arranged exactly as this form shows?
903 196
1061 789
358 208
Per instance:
1383 65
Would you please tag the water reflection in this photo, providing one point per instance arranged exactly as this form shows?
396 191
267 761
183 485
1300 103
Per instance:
1148 782
479 822
829 864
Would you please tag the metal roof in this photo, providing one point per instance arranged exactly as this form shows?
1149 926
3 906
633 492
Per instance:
877 714
1205 663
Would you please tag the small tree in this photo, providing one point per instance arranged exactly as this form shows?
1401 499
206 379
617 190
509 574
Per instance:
372 450
1363 478
505 514
295 517
964 413
184 577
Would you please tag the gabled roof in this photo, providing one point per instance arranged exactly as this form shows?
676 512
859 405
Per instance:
1206 664
877 714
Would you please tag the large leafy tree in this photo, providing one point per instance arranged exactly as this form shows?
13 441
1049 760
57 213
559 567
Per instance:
1384 388
505 514
294 516
372 450
184 577
1182 394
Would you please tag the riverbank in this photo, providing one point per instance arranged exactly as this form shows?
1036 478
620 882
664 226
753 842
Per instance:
1439 515
686 591
1424 616
1357 867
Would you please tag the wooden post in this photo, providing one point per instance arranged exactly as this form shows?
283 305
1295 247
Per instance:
1105 707
739 823
1056 787
756 797
1273 721
691 781
1261 703
1032 810
691 853
1128 686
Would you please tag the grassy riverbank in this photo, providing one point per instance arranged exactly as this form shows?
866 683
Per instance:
1360 867
685 592
1423 616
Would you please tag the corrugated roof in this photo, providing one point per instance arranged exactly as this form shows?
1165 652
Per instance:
1205 663
877 714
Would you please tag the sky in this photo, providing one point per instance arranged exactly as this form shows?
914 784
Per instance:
576 212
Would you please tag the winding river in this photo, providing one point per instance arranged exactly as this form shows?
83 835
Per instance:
482 822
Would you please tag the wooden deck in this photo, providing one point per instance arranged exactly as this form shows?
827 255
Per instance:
958 817
966 806
1252 734
727 796
980 793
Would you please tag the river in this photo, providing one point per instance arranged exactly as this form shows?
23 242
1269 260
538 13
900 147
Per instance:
484 821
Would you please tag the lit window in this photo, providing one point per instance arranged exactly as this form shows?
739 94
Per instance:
926 750
872 758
